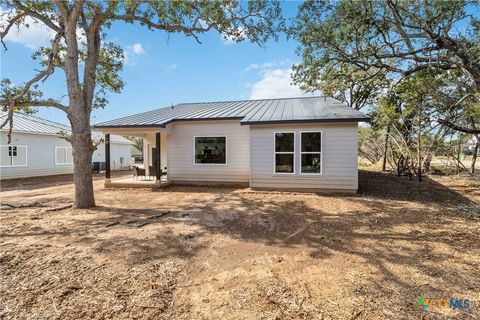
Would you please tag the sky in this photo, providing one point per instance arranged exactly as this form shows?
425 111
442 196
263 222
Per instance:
163 69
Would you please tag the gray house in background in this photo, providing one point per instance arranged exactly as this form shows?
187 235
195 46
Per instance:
37 150
306 144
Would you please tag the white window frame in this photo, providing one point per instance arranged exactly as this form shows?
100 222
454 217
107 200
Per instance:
314 152
56 160
210 164
11 157
283 152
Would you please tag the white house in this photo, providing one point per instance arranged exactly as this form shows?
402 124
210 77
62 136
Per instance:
307 144
37 150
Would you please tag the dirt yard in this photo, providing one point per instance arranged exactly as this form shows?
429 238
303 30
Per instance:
216 253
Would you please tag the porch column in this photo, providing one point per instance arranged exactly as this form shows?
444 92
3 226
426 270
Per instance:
107 156
159 158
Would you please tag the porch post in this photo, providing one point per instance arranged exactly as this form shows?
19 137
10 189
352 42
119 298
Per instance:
159 158
107 156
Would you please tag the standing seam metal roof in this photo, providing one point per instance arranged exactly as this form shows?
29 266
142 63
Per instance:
30 124
264 111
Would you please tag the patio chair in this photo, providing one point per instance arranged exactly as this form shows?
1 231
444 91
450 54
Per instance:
139 172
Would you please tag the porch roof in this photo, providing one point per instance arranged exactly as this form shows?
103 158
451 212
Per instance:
264 111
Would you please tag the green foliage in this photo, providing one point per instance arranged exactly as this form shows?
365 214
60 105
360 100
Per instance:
9 91
255 21
370 144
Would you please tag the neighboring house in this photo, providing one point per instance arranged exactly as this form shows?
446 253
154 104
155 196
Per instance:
471 143
37 150
307 144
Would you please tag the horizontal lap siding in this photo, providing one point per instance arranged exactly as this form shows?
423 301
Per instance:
40 156
340 154
117 151
181 165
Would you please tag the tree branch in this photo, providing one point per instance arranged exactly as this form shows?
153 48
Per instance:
37 103
4 33
456 127
37 15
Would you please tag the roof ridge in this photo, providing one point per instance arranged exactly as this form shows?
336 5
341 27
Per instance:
246 100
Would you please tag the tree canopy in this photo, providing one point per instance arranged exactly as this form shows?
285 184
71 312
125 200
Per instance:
92 65
392 38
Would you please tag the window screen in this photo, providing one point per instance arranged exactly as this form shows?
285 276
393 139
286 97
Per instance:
311 152
284 152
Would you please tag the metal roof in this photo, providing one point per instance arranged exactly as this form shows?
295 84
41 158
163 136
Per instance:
30 124
264 111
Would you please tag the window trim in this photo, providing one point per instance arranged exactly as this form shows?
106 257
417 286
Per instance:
11 157
56 159
308 152
283 152
211 164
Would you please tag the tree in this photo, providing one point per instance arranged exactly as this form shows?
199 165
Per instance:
353 86
399 37
92 66
137 142
370 144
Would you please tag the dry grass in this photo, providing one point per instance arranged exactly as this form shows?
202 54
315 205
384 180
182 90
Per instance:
240 254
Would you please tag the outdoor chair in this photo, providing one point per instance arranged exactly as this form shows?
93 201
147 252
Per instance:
139 172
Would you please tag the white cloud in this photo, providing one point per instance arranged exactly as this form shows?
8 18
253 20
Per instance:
268 65
138 48
132 52
35 35
275 83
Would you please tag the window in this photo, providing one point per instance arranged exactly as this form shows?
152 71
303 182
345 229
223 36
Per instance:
210 150
63 155
12 151
13 156
311 152
284 152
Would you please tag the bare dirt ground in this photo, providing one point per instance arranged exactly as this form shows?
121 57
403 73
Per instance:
219 253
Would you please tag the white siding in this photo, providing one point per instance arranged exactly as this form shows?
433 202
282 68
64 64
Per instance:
150 143
181 165
117 151
41 155
339 157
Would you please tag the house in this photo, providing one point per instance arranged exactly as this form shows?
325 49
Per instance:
306 144
36 149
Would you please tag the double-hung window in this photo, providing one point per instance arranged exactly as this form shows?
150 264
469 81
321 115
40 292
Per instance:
311 152
284 152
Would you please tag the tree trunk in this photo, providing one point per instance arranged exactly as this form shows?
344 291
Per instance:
385 149
419 149
81 141
474 155
459 153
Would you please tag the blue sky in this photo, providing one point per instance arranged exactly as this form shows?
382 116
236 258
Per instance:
162 69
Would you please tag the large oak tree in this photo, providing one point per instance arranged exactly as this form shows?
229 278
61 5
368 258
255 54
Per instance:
399 38
92 66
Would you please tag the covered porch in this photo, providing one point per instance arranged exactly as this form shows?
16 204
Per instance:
152 172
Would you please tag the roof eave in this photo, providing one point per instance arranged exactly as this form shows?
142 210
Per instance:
363 119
